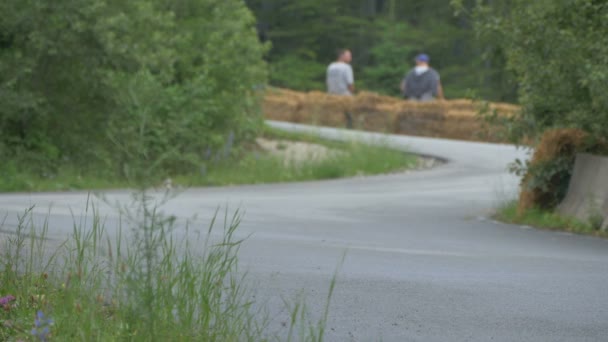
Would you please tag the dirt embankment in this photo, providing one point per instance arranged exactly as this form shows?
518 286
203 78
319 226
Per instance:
453 119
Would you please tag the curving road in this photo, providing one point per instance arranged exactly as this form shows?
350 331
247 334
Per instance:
423 261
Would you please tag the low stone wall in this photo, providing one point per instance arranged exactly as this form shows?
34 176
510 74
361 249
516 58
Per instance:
587 197
452 119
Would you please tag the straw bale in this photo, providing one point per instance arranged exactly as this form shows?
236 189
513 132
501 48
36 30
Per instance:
372 120
372 100
461 104
559 142
285 94
455 119
280 109
415 122
282 104
462 130
325 109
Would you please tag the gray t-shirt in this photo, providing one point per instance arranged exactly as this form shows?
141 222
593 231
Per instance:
421 85
339 77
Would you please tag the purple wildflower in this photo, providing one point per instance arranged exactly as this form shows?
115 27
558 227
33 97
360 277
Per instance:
5 300
42 328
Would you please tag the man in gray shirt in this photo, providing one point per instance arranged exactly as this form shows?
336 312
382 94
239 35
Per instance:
422 83
340 79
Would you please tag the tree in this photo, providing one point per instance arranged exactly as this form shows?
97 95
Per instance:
558 50
105 81
384 35
305 36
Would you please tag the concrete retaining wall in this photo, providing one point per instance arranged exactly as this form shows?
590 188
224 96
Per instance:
588 190
452 119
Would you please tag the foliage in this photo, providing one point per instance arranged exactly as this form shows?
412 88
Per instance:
558 52
298 73
388 56
136 284
314 29
546 177
547 180
348 160
247 165
384 37
95 83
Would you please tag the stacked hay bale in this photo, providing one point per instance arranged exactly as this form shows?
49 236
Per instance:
462 120
282 104
324 109
454 119
420 118
370 112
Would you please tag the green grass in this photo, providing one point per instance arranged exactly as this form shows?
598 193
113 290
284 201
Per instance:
546 220
67 178
245 167
141 284
355 159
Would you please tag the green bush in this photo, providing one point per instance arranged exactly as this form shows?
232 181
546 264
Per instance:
547 175
558 53
149 85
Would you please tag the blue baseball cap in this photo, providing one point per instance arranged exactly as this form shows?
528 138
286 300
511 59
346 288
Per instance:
423 58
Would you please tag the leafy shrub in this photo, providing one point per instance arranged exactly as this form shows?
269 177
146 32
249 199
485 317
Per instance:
98 83
554 49
546 177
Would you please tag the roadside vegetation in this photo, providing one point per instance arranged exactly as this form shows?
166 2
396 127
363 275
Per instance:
246 164
340 160
561 71
546 219
148 89
136 282
106 93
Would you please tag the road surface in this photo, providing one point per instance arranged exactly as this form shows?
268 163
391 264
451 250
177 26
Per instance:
423 260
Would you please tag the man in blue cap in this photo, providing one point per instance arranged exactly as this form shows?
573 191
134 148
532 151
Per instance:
422 83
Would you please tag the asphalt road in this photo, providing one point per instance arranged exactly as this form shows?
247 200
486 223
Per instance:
423 261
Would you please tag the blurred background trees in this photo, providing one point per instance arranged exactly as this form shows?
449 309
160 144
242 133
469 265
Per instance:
385 36
557 51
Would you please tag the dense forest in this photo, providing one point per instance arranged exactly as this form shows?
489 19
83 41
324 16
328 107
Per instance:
384 36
